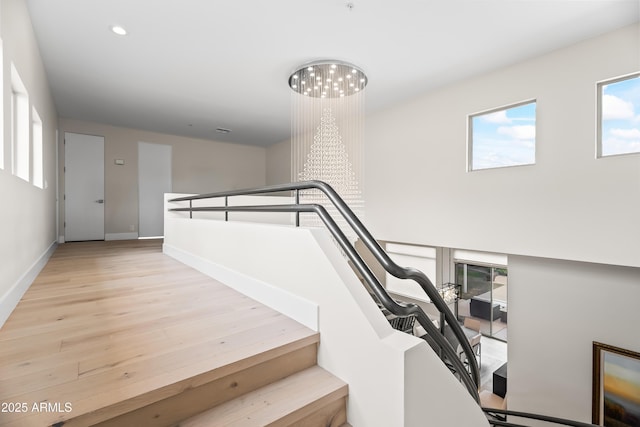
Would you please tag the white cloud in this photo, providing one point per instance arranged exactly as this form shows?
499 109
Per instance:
626 133
611 146
499 117
616 108
518 132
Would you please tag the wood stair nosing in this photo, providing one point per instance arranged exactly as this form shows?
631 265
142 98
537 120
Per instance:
311 397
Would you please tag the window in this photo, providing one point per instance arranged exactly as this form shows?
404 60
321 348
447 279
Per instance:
38 145
19 126
619 116
483 296
503 137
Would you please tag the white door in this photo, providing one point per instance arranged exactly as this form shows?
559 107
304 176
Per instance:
84 187
154 179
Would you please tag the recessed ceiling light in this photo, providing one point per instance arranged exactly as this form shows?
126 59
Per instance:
119 30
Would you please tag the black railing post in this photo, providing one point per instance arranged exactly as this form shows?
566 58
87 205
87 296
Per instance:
297 202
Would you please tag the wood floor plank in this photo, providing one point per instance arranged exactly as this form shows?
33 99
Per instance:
38 380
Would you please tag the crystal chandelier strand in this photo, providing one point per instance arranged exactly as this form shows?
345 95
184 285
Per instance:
327 123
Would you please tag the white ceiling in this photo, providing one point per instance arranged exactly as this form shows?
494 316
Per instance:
189 66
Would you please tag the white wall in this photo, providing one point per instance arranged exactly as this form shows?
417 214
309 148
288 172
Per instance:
199 166
392 376
278 166
568 206
154 179
556 310
27 217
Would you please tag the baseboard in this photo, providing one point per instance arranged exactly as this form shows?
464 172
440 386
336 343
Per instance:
9 301
293 306
121 236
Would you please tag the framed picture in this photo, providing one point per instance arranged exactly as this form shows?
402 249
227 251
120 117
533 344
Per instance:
616 386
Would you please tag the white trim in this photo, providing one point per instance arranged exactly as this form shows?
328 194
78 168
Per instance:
483 258
293 306
61 239
9 301
120 236
413 250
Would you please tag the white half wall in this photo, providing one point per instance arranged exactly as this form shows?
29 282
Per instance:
394 379
556 310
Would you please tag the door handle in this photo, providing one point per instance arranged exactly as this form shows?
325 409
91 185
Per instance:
100 201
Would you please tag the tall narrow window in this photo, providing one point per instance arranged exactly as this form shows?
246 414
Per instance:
619 116
38 148
503 137
19 126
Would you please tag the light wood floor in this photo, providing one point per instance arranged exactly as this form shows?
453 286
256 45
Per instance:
107 322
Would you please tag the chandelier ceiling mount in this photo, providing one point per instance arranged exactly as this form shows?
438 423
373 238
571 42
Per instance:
328 79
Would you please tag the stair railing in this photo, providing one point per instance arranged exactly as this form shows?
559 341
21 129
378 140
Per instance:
498 418
448 354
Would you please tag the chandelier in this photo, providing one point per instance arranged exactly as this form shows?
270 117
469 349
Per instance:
327 124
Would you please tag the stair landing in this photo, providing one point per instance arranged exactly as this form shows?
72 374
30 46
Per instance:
114 331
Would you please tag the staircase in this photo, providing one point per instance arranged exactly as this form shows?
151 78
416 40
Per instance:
280 387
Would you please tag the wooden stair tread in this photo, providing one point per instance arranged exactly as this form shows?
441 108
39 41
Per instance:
281 403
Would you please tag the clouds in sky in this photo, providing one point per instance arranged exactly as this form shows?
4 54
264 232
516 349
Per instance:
504 138
518 132
499 117
626 133
615 108
621 117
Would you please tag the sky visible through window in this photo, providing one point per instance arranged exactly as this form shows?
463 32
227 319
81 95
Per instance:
504 138
621 117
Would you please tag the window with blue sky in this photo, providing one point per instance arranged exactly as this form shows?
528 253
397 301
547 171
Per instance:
504 137
619 102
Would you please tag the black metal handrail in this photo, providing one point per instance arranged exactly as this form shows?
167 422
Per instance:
398 309
502 422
